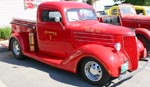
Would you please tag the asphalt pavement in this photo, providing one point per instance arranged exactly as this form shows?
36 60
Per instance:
31 73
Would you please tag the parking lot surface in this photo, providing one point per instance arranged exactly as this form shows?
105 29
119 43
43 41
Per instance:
31 73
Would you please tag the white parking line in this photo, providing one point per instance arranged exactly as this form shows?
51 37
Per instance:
2 84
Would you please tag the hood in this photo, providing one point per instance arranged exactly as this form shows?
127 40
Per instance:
136 17
97 27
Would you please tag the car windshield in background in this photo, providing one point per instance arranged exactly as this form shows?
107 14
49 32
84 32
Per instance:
80 14
127 10
147 11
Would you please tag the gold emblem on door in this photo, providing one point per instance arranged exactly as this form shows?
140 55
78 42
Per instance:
51 34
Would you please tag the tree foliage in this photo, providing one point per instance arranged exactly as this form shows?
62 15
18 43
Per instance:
137 2
5 32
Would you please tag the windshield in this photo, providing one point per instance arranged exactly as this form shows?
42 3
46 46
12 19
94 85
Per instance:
148 11
126 9
80 14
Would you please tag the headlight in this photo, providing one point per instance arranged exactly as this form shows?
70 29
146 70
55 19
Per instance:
117 46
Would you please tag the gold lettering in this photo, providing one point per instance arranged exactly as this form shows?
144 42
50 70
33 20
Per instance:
50 37
51 34
93 29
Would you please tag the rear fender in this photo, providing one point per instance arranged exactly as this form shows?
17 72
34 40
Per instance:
100 53
20 39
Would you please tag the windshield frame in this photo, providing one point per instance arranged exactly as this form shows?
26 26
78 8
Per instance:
76 14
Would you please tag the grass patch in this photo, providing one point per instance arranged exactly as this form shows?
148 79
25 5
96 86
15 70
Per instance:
5 33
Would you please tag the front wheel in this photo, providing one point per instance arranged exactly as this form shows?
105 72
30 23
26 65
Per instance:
16 49
94 73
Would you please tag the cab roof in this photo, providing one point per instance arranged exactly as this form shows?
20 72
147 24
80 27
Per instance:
65 4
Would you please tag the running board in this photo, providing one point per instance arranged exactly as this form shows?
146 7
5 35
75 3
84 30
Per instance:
43 58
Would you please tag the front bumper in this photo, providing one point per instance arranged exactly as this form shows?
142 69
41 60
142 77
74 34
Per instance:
126 75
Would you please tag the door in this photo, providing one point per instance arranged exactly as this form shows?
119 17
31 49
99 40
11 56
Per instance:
52 37
127 16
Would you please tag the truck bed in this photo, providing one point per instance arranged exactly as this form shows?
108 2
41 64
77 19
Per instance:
23 23
23 27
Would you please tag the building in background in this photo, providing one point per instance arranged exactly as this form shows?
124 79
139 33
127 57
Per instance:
27 8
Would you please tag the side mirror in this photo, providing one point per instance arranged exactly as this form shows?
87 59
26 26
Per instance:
57 19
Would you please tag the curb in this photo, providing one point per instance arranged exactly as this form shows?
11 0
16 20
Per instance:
4 43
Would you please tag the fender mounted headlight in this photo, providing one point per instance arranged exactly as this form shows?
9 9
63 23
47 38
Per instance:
117 46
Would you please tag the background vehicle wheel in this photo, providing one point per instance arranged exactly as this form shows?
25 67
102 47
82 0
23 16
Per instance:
94 73
16 50
144 41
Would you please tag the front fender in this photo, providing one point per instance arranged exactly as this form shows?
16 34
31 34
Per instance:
142 53
105 55
143 31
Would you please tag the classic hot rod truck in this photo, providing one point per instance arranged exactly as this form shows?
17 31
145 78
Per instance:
67 35
125 15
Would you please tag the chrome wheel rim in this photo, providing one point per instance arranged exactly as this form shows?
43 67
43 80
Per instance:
93 71
16 48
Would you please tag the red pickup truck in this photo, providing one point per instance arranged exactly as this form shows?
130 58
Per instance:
125 15
67 35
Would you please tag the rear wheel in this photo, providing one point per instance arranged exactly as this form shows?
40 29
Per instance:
94 73
16 49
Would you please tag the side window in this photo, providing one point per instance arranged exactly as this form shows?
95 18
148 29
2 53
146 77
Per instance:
140 12
49 16
114 12
45 16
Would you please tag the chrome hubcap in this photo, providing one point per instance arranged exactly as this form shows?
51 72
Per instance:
16 48
93 71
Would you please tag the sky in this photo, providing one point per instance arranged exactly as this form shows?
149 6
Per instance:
99 5
15 8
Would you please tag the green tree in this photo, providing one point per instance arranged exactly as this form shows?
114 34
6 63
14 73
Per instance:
138 2
5 32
